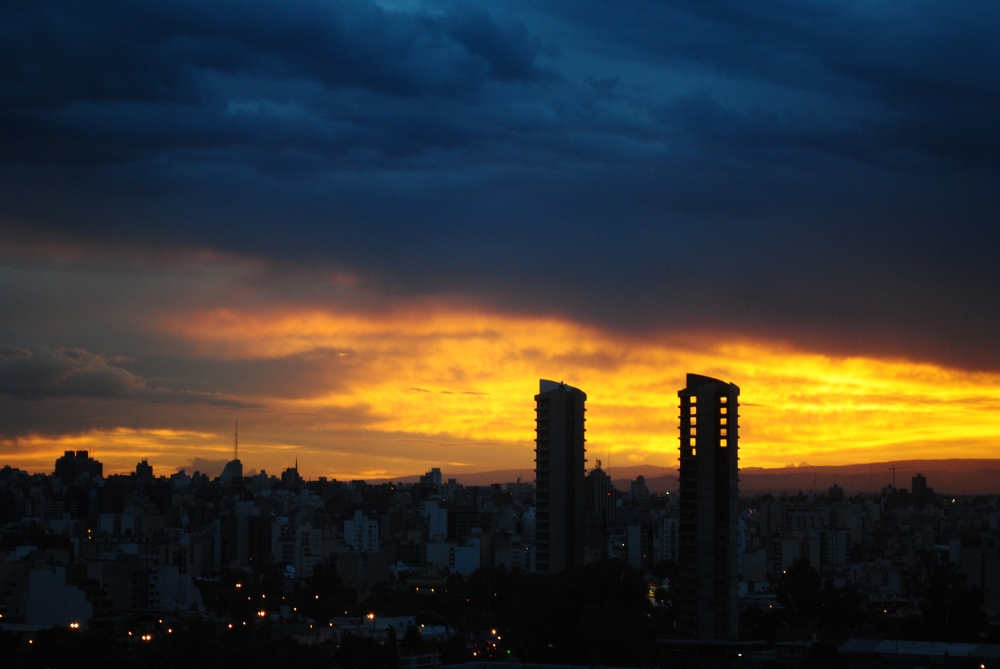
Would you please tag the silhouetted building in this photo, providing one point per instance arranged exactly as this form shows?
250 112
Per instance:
559 476
708 549
600 496
432 478
260 540
232 472
290 478
922 494
639 492
73 464
144 471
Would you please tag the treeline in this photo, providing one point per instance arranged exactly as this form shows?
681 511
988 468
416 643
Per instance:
594 615
599 614
949 609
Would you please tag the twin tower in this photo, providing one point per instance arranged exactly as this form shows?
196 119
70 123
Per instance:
709 474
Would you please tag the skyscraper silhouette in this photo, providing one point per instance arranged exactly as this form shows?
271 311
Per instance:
559 476
709 473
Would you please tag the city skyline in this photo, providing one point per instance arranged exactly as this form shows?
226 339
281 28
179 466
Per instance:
435 334
777 433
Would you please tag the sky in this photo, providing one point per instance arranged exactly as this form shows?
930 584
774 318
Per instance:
366 229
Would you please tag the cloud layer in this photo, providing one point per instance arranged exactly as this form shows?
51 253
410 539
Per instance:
355 385
63 373
76 373
818 176
823 171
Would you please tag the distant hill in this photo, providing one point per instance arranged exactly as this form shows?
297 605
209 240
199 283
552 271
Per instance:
955 477
528 475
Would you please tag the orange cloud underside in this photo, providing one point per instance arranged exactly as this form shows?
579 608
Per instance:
470 377
440 385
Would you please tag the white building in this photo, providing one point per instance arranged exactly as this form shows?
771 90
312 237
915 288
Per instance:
361 533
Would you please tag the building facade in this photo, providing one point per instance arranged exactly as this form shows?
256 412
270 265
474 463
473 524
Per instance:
559 476
708 547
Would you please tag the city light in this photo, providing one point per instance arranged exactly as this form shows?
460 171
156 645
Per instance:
74 626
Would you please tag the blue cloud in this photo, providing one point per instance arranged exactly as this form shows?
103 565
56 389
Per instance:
819 170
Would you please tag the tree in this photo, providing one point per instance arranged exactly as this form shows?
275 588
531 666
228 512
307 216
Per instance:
798 589
949 609
324 595
840 609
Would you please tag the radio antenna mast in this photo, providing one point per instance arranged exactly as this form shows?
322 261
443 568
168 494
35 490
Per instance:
236 441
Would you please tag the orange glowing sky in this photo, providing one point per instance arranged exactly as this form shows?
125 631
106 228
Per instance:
432 384
370 254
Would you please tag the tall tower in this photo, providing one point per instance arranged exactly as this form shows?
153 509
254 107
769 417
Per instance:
709 476
559 476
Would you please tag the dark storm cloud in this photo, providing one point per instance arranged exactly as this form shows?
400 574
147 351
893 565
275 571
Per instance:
48 373
929 65
825 172
109 80
63 373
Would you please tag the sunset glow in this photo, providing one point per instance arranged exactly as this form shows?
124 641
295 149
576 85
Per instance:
368 252
440 386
